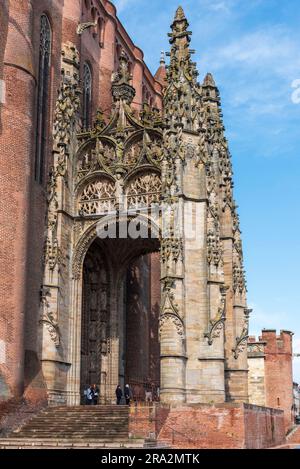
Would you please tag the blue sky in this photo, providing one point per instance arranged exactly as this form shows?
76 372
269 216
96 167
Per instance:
253 50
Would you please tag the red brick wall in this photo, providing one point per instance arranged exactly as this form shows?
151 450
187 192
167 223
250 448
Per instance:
264 427
295 437
145 421
23 201
16 149
278 372
210 427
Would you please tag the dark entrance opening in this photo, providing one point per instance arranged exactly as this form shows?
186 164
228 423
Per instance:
142 369
120 318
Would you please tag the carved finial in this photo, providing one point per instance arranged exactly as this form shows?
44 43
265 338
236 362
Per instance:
122 76
180 55
179 16
209 80
162 58
121 80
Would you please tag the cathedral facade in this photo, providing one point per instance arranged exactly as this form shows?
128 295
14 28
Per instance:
121 252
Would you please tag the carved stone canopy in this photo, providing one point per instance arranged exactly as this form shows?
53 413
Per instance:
121 88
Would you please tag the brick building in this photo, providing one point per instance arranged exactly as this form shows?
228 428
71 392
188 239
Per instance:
92 143
89 137
270 375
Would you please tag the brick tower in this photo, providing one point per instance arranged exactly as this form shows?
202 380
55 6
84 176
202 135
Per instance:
271 373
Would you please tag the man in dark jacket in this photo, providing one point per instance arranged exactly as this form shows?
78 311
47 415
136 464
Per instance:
119 394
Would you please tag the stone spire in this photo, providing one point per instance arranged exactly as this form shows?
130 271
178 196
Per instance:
161 73
180 55
182 102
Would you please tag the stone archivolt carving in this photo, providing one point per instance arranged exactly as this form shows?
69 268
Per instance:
242 340
216 325
81 248
97 197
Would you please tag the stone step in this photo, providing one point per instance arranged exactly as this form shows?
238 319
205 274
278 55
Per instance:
73 435
75 424
111 443
66 422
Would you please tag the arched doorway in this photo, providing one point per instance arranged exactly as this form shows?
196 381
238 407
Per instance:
120 316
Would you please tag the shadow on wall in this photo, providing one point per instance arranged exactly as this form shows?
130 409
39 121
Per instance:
35 388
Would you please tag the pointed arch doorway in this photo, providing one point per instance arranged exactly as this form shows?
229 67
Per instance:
119 341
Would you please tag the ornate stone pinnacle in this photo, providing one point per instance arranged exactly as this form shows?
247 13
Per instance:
179 16
121 87
162 58
209 80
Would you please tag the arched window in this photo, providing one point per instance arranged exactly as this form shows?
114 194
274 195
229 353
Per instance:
42 98
87 96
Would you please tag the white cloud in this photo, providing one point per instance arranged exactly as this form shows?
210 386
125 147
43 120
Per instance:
220 6
263 50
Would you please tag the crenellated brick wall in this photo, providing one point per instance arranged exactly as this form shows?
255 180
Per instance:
270 372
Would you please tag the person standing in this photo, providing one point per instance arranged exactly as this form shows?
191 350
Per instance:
90 395
95 394
119 394
127 394
148 392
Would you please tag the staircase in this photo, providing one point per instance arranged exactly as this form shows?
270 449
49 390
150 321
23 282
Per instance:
294 436
75 427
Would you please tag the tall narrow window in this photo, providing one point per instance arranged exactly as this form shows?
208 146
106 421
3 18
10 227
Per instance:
42 99
87 96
